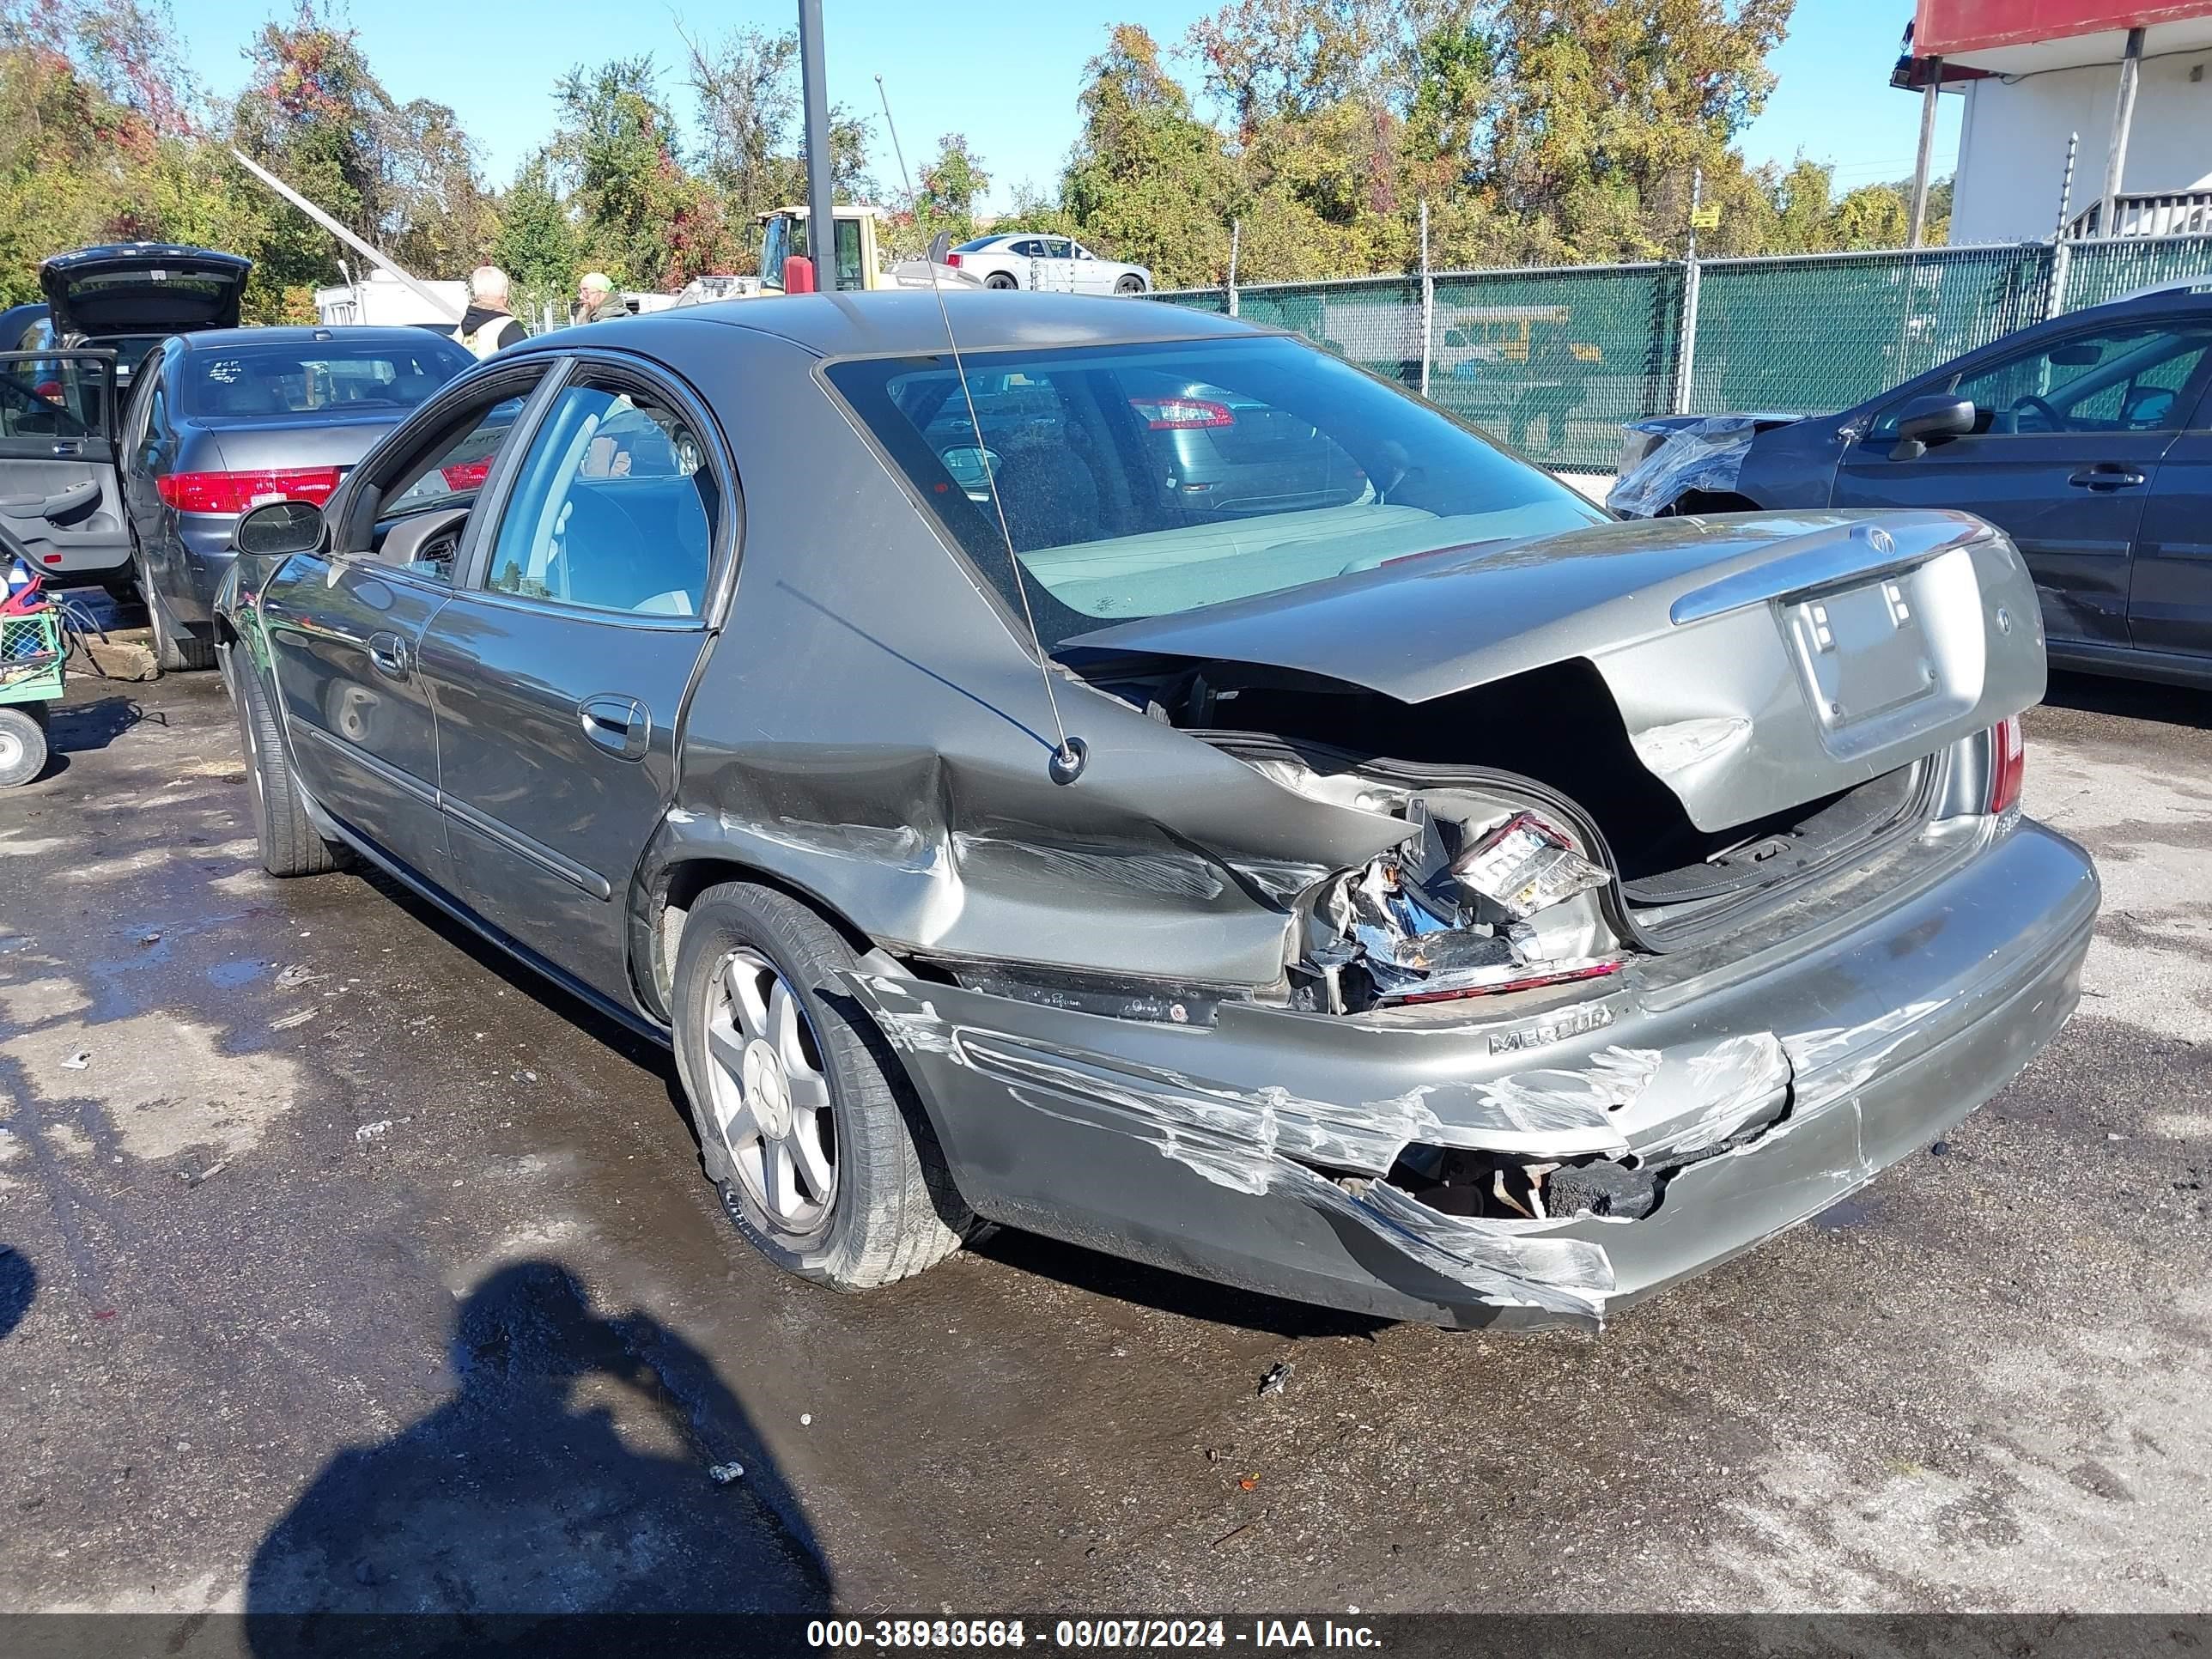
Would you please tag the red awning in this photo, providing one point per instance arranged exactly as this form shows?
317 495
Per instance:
1946 28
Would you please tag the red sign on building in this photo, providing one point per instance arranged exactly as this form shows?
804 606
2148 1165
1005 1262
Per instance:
1945 28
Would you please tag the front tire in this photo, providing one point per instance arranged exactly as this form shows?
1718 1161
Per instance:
23 743
807 1124
1000 279
1129 285
290 843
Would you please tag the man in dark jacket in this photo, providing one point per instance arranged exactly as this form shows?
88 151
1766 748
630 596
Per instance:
596 298
488 325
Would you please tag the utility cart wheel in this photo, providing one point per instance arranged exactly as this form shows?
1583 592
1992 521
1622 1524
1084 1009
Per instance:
23 743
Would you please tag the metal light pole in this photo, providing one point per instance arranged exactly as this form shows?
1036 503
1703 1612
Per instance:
815 92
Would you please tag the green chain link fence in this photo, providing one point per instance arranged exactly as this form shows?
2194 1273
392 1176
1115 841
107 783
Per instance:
1375 322
1816 334
1552 362
2099 272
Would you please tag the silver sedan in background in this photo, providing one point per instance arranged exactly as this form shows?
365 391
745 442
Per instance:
1050 265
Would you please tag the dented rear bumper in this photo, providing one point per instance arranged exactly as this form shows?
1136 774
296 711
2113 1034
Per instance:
1817 1049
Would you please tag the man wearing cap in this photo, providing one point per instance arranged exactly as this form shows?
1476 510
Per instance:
596 298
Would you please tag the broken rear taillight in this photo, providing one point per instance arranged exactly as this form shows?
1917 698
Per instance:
2008 764
1561 976
1525 865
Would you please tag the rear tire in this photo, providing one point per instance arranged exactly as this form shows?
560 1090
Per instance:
290 843
176 649
784 1071
22 744
999 279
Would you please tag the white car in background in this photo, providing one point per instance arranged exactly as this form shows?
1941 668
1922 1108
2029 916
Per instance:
1050 265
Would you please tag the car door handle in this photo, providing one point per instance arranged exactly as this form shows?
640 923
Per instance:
2106 476
621 726
389 652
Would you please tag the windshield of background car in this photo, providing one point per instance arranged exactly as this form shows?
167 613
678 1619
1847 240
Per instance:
1142 480
318 376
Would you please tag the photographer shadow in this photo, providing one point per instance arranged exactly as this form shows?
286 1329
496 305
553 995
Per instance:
571 1473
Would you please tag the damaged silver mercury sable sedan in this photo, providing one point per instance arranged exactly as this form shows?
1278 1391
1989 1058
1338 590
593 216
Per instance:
1387 880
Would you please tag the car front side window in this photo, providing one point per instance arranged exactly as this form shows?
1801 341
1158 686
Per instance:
613 509
2112 379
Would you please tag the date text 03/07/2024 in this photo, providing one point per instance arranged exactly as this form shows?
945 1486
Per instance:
885 1635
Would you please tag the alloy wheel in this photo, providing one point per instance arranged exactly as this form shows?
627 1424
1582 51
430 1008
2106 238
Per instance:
770 1094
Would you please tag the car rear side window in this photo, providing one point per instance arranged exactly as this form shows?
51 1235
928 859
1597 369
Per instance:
1140 480
614 509
317 377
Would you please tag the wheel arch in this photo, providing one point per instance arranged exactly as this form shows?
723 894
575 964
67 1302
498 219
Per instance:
670 881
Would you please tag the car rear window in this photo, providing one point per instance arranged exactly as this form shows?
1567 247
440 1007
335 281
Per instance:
313 376
1141 480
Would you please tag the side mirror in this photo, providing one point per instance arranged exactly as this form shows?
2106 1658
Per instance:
1929 418
277 528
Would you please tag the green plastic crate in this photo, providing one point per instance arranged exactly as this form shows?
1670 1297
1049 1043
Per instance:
31 657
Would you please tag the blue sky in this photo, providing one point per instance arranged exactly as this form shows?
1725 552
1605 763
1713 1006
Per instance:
1005 74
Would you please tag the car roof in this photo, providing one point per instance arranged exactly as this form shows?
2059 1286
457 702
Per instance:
906 321
2175 289
2183 293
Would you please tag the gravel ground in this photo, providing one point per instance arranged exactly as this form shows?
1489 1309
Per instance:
350 1266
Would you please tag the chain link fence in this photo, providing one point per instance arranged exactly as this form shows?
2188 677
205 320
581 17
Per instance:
1552 362
2099 272
1821 333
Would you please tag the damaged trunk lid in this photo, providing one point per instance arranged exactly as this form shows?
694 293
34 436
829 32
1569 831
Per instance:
1757 663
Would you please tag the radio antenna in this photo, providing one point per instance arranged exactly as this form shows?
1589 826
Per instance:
1068 757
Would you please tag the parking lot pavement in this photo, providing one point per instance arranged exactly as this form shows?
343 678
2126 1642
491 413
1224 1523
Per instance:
348 1265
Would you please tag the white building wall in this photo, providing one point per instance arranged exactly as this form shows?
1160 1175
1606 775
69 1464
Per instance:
2012 144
